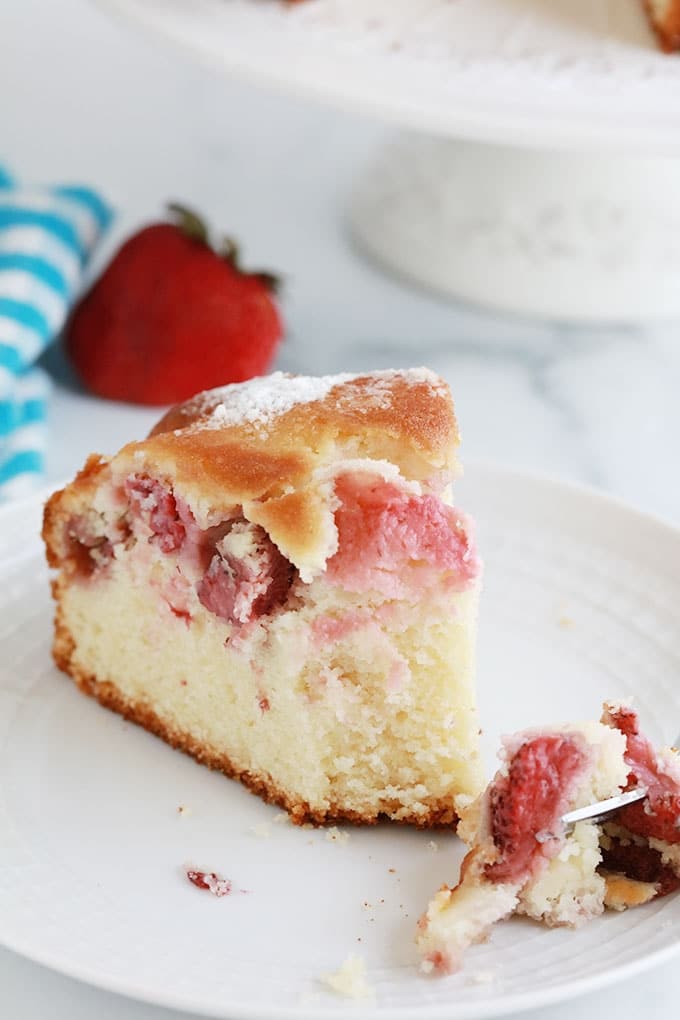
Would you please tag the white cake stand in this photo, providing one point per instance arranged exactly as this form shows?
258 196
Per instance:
573 212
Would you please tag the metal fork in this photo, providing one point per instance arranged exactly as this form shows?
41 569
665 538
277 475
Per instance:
602 810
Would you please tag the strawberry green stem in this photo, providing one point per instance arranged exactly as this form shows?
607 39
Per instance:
189 222
193 226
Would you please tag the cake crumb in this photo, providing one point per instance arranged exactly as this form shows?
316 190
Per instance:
183 811
262 830
335 835
210 881
433 846
392 871
350 980
565 622
281 819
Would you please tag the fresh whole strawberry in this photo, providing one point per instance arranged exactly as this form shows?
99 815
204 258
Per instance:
171 316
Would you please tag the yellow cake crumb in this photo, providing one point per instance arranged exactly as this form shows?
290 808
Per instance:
350 980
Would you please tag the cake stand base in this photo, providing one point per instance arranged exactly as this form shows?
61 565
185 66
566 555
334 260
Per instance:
587 237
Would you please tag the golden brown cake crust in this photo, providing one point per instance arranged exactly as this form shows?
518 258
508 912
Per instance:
402 416
62 503
623 892
393 402
301 813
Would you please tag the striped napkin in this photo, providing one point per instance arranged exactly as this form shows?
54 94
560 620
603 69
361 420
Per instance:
46 237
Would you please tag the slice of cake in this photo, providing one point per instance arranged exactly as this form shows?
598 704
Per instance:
665 18
275 581
522 858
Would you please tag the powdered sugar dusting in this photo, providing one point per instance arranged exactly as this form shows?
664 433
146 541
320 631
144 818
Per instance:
259 401
379 395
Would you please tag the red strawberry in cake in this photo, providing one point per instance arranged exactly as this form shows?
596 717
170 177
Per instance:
171 315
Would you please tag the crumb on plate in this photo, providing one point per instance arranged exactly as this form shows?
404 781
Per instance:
350 980
335 835
210 881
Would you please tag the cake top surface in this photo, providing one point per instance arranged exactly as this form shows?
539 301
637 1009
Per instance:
273 433
265 398
258 402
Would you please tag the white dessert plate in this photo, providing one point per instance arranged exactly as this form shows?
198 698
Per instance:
581 603
534 72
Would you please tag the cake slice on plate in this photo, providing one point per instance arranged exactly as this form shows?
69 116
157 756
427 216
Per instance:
275 581
522 860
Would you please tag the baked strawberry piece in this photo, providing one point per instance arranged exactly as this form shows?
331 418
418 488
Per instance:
523 860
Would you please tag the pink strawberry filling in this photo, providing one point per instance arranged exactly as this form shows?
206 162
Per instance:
389 541
396 543
245 574
247 577
525 805
658 816
331 627
241 573
176 594
155 505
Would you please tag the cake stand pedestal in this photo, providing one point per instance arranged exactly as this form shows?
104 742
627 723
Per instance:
552 234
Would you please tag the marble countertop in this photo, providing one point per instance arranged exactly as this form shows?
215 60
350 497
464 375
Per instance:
84 97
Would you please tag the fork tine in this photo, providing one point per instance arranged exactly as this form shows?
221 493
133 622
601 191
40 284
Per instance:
603 809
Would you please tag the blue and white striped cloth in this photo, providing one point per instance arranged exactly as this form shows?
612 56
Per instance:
46 237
